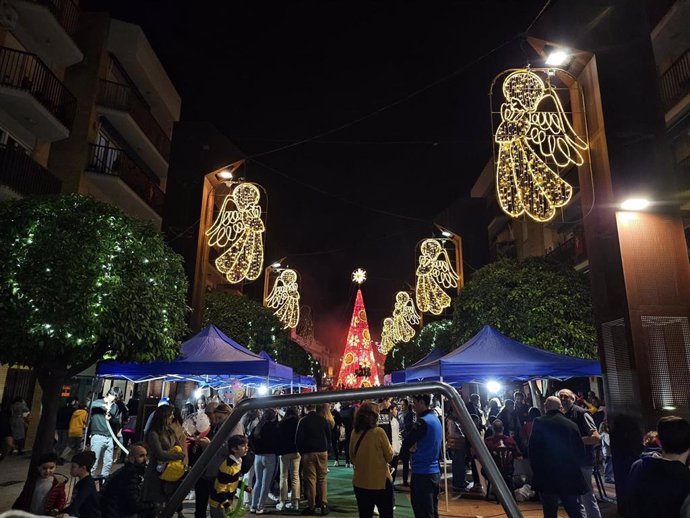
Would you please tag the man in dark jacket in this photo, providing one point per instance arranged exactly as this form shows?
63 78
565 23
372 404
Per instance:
347 416
312 439
659 483
121 493
556 452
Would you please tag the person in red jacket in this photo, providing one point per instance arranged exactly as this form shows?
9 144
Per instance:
44 494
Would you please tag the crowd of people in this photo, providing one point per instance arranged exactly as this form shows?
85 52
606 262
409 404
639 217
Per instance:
277 460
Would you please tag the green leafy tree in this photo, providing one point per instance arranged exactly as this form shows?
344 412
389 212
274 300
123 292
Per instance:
258 329
79 280
535 301
434 334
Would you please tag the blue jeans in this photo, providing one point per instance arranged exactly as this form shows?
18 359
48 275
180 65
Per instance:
103 447
588 500
424 495
265 470
571 504
608 469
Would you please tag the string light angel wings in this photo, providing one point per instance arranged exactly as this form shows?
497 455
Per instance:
239 227
434 273
535 141
404 317
284 297
387 339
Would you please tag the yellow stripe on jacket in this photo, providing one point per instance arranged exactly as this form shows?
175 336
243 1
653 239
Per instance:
226 482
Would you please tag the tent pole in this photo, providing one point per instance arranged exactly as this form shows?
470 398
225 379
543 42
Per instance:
88 418
536 398
443 450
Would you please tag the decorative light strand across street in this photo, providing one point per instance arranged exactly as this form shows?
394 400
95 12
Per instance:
284 298
536 142
239 229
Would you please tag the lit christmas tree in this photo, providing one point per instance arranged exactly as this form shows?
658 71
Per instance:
359 368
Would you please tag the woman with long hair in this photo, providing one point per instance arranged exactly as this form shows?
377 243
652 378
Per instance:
264 440
371 453
324 410
161 440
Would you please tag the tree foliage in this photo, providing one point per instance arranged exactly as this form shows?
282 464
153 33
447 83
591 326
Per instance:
79 279
535 301
258 329
434 334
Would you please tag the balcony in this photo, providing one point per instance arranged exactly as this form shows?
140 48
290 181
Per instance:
117 179
131 116
46 27
34 97
675 84
24 176
572 252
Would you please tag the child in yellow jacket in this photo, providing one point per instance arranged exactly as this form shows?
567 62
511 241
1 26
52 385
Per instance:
229 477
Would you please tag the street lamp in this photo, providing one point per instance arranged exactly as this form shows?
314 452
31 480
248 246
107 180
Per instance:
635 204
267 276
457 242
555 57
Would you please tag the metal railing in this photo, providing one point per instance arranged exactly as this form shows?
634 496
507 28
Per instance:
115 162
571 252
66 13
675 82
128 99
19 172
25 71
505 497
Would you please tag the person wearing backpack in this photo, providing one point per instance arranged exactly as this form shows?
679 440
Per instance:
371 453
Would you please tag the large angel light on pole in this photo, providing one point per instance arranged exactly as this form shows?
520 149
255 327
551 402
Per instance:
434 274
239 228
536 142
284 298
404 317
387 336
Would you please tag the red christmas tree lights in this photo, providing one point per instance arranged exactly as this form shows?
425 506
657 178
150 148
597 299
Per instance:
359 368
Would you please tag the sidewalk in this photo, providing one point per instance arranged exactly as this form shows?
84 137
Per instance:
13 473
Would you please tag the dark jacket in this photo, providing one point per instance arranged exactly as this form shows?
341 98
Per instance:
556 455
656 488
121 493
287 429
347 416
63 416
313 434
85 500
265 438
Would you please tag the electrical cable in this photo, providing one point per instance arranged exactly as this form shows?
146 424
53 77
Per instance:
390 105
529 27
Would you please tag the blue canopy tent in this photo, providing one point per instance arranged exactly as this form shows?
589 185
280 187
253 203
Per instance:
399 376
301 381
492 355
209 357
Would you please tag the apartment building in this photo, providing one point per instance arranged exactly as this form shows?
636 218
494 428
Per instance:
562 238
85 106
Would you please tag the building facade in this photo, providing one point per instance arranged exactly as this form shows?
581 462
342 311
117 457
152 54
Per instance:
85 106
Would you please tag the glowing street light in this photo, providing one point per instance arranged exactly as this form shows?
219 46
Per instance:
635 204
556 57
494 387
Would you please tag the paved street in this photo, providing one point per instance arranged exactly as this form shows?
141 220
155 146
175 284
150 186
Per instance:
13 473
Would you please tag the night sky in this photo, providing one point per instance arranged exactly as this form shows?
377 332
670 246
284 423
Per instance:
407 74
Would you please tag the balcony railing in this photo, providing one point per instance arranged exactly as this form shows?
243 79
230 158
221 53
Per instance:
571 252
675 82
25 71
114 162
21 174
126 98
66 13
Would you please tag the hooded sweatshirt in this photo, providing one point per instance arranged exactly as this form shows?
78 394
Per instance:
657 487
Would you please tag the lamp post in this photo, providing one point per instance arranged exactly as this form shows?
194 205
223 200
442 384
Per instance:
457 242
267 276
208 204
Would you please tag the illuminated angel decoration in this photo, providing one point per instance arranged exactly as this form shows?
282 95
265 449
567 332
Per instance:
387 339
434 273
239 227
284 298
404 317
535 141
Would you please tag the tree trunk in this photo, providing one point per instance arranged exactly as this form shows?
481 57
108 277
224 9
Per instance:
51 382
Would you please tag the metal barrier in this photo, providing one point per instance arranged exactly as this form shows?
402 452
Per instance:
505 497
